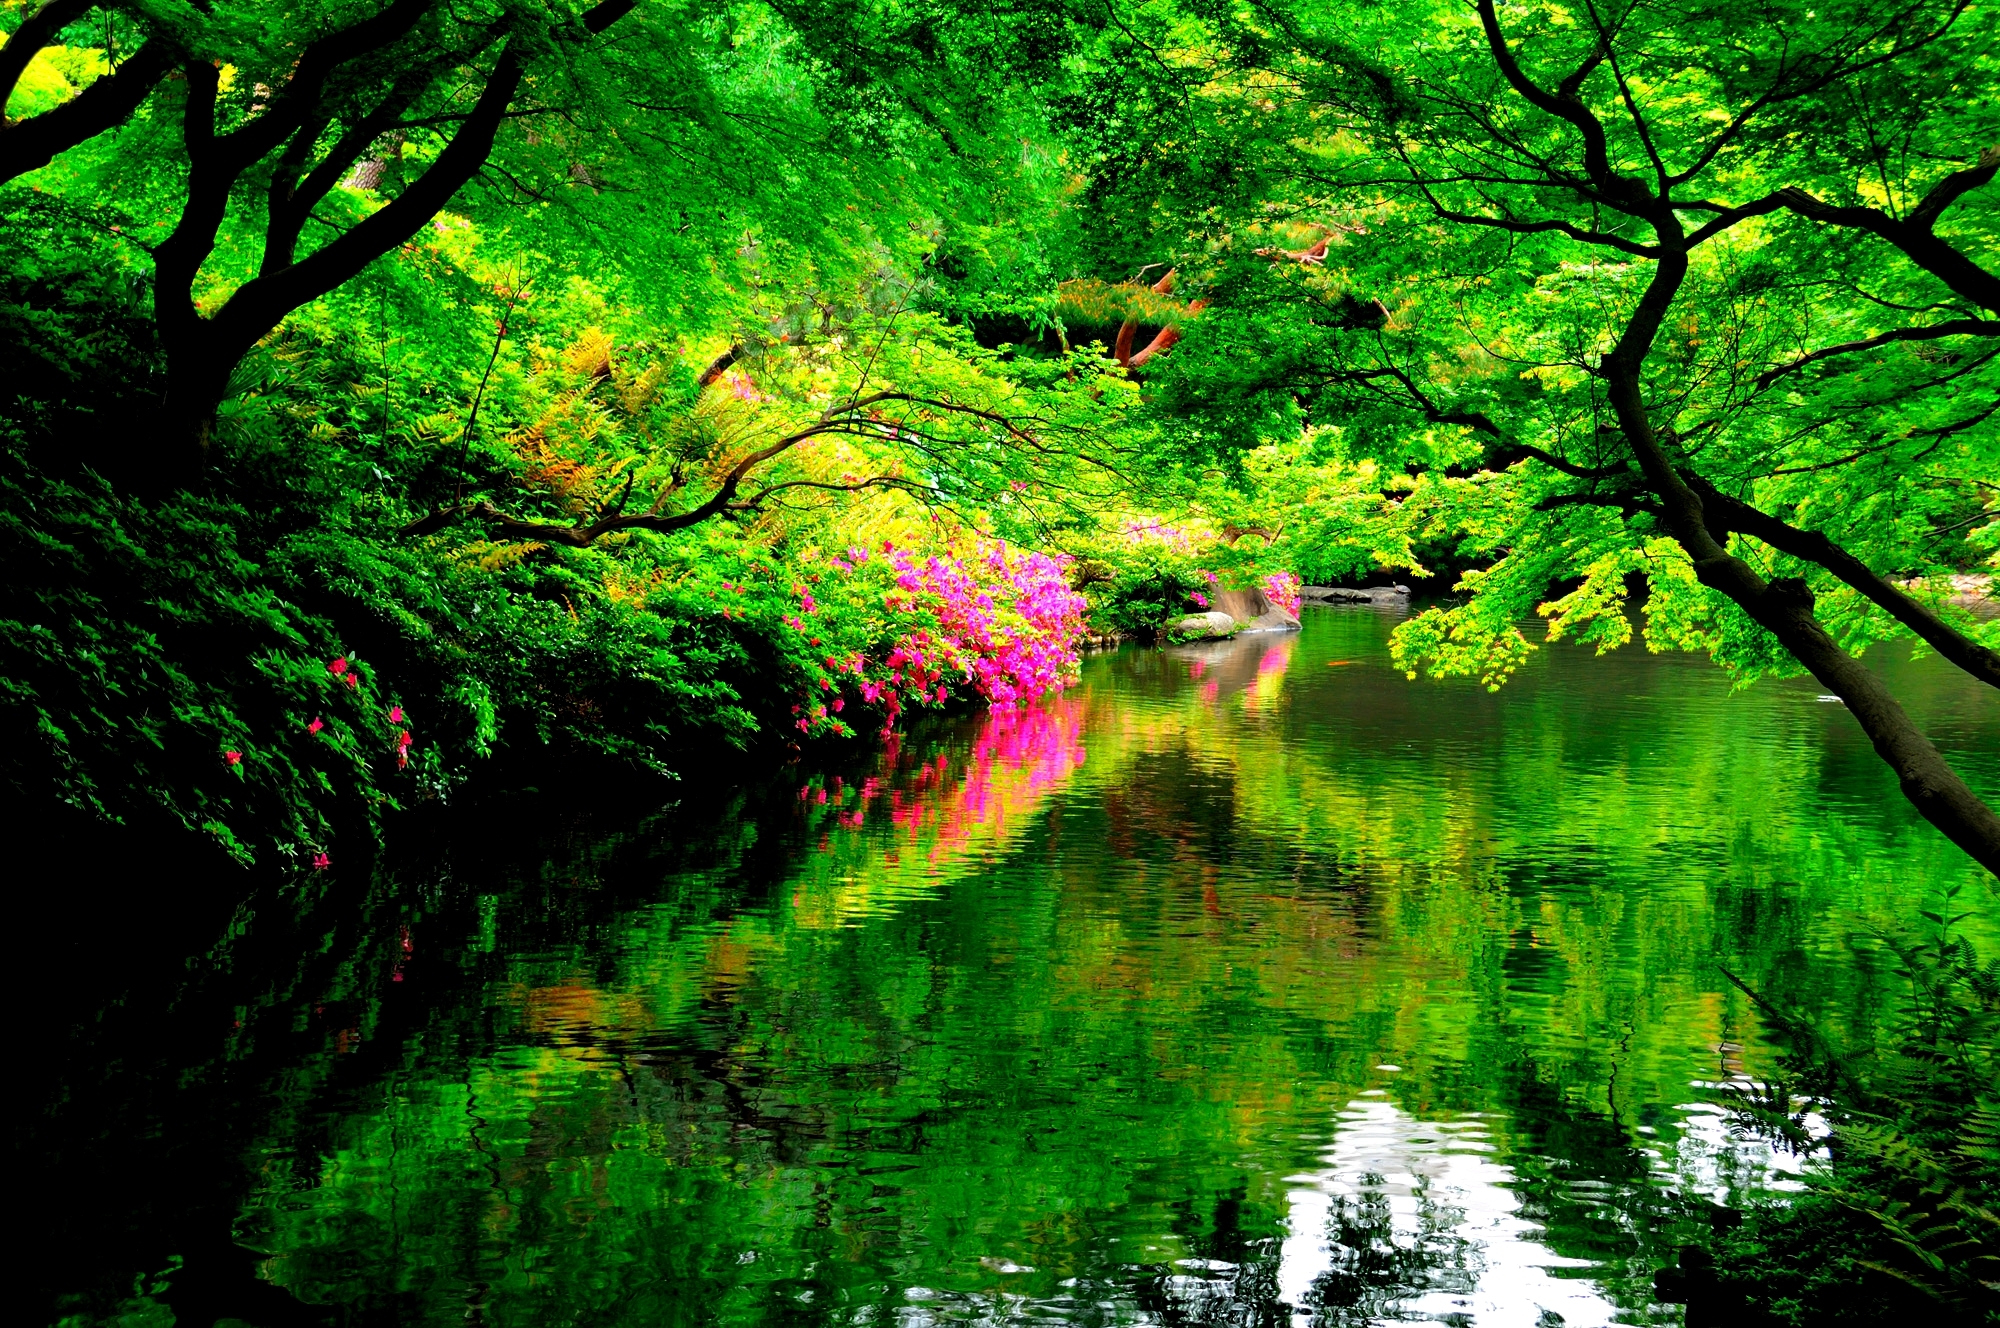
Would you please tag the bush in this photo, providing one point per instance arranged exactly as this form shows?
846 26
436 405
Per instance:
274 659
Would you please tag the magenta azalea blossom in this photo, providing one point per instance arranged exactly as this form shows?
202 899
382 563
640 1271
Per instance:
1003 622
1282 589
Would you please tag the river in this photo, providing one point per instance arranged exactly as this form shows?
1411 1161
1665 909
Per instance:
1249 983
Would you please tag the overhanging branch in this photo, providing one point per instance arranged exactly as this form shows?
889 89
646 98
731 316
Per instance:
1725 513
1957 327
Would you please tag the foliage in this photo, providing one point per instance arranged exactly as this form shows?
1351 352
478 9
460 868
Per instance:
150 639
1141 580
1899 1218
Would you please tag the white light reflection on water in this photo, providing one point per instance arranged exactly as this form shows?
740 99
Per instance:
1439 1227
1414 1220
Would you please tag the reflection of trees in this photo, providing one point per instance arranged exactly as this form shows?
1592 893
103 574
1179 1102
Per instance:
1375 1266
1043 988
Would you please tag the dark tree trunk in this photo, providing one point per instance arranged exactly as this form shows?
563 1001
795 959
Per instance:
203 350
1784 607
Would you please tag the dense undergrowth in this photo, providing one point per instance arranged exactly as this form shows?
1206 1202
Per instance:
283 654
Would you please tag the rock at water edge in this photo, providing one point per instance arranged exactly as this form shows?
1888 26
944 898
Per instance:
1212 623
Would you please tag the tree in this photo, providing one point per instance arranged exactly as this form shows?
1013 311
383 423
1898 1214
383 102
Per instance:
1674 293
292 150
306 102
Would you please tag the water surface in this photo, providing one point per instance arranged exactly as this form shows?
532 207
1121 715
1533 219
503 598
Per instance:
1243 984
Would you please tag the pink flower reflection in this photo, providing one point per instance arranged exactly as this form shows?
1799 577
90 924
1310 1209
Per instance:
944 808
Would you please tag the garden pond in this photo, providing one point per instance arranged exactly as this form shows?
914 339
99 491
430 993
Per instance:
1248 983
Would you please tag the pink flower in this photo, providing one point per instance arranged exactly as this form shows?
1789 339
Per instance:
321 862
339 665
316 725
395 714
1199 599
232 758
1282 589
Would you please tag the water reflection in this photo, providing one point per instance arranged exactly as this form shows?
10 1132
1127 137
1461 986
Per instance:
1247 984
945 815
1415 1219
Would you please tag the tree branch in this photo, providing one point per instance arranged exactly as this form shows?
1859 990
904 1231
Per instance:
1784 606
1950 189
1625 502
720 365
37 30
1957 327
30 144
260 303
1603 239
1627 195
292 199
1728 216
1479 422
1726 513
1916 236
853 417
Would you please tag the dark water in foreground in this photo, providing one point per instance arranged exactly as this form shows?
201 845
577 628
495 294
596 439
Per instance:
1250 984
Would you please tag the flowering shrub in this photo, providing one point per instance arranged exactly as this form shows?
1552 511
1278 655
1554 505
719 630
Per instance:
894 630
1282 589
1016 646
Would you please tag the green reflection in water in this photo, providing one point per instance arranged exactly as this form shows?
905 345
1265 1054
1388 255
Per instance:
1247 983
